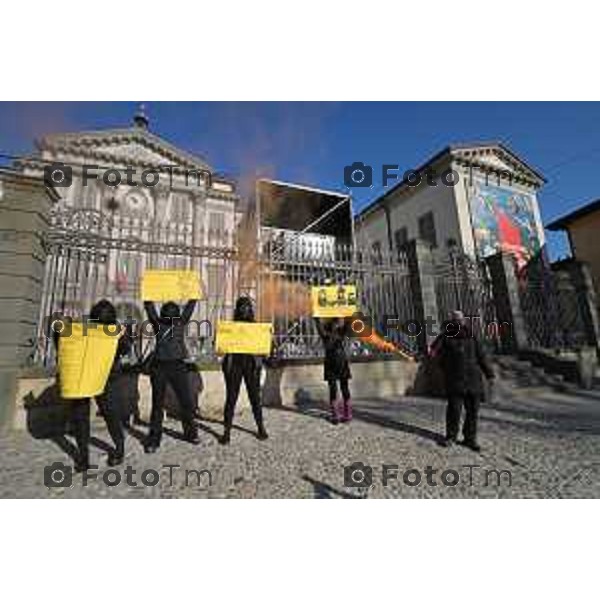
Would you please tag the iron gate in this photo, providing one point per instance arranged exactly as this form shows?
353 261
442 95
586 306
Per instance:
464 283
551 306
93 255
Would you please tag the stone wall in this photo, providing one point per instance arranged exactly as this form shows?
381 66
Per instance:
24 218
40 411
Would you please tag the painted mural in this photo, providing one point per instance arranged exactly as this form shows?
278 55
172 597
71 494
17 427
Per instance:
504 219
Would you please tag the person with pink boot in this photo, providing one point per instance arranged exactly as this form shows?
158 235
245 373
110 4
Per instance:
333 333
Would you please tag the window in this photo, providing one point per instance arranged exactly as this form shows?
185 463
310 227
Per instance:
180 209
216 281
400 238
377 252
216 223
427 229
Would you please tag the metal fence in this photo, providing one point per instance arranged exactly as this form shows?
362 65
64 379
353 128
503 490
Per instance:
464 283
383 288
551 307
93 255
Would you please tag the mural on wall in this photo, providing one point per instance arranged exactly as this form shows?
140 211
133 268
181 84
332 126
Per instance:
504 220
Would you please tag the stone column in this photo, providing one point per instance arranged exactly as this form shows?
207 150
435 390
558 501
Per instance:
422 282
505 289
199 208
25 205
160 225
581 280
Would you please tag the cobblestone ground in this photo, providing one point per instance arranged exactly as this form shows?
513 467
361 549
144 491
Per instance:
549 442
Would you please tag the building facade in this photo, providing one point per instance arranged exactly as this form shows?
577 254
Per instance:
583 227
129 200
478 198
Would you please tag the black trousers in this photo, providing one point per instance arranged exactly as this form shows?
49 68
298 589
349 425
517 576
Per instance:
471 403
242 366
175 374
333 389
80 418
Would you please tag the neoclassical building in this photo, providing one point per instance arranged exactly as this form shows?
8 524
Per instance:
171 209
479 198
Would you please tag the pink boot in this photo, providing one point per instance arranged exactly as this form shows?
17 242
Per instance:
347 416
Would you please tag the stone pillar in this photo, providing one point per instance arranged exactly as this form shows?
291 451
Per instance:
505 289
422 283
581 280
25 205
199 217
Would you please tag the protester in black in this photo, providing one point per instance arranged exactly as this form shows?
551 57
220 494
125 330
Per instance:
463 363
109 403
333 334
242 366
168 366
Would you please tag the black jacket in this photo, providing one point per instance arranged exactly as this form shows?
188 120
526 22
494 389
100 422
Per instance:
333 336
463 362
169 329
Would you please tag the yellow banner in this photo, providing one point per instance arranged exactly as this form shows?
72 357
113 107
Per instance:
163 285
85 360
237 337
333 301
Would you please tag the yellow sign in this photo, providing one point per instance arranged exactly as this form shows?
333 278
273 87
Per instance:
333 301
163 285
85 359
237 337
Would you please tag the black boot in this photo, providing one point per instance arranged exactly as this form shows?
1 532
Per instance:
262 433
81 465
115 458
226 437
151 445
191 435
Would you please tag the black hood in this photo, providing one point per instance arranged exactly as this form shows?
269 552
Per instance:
170 310
244 309
104 312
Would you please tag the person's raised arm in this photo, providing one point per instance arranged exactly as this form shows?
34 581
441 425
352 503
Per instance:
188 311
152 314
319 327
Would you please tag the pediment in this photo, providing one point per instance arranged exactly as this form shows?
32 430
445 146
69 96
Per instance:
498 158
125 146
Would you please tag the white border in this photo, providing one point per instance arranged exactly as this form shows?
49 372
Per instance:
314 50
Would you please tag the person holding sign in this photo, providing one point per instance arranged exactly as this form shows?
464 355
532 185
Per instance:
103 314
336 366
168 366
242 366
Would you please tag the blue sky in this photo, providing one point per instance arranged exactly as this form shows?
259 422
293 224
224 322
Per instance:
312 142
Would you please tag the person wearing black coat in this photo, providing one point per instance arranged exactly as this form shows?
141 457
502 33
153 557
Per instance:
109 404
333 333
463 363
168 367
242 366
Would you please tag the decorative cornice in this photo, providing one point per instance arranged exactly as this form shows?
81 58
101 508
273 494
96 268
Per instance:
90 143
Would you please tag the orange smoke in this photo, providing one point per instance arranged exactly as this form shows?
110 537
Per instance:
279 297
380 343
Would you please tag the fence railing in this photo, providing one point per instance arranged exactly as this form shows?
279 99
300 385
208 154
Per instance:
93 256
551 308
